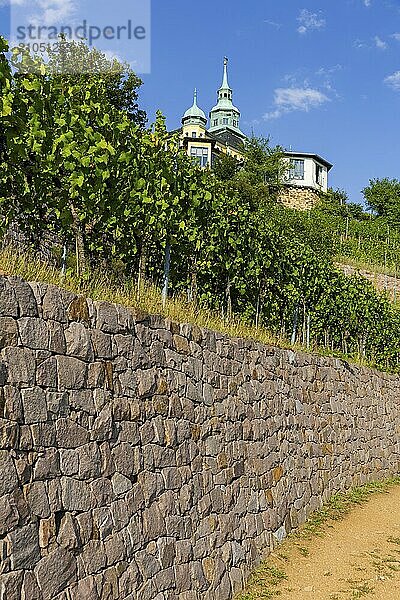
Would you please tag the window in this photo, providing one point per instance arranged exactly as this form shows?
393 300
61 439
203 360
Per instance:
193 134
199 155
319 174
296 169
235 123
225 121
215 122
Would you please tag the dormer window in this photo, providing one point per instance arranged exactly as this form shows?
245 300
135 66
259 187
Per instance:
194 134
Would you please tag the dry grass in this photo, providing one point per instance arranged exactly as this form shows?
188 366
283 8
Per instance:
100 287
364 266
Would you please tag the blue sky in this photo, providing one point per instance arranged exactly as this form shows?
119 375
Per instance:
319 77
309 74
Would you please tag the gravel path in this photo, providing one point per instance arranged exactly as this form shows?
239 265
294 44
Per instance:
358 557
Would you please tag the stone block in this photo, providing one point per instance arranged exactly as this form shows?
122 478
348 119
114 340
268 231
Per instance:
69 534
120 484
8 474
21 365
46 375
12 404
9 516
8 300
36 497
102 344
78 340
86 589
93 557
57 404
33 333
24 547
9 434
72 373
54 304
107 317
76 495
34 404
78 310
11 585
57 343
30 588
70 434
8 332
56 572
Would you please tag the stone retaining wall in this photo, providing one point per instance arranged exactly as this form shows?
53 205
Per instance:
300 197
141 459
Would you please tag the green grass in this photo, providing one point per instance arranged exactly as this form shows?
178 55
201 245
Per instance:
262 585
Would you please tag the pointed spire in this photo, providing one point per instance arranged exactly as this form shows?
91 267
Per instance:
225 84
194 113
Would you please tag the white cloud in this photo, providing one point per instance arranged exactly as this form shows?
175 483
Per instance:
379 43
367 3
393 81
46 12
292 99
273 24
309 21
12 2
54 12
396 36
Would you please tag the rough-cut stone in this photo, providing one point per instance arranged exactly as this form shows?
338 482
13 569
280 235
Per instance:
21 365
11 585
69 535
76 494
46 374
9 516
8 332
33 333
8 474
55 572
34 403
24 547
70 434
37 499
71 373
53 305
78 342
8 300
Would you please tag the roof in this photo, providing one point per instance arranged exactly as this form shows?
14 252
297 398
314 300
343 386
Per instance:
316 157
228 136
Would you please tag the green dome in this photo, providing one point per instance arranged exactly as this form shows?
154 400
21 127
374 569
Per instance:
194 113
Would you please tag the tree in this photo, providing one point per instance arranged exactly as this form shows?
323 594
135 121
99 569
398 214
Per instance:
262 172
383 197
73 61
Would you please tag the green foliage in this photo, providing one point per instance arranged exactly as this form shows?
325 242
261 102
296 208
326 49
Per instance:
125 198
383 197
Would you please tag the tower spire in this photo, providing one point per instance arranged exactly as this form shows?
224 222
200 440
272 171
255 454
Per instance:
225 84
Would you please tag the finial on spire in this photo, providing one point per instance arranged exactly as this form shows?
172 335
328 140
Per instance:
226 60
195 97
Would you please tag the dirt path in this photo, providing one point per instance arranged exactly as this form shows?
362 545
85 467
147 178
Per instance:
358 557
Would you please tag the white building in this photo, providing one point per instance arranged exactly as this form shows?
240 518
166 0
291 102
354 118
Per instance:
305 180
